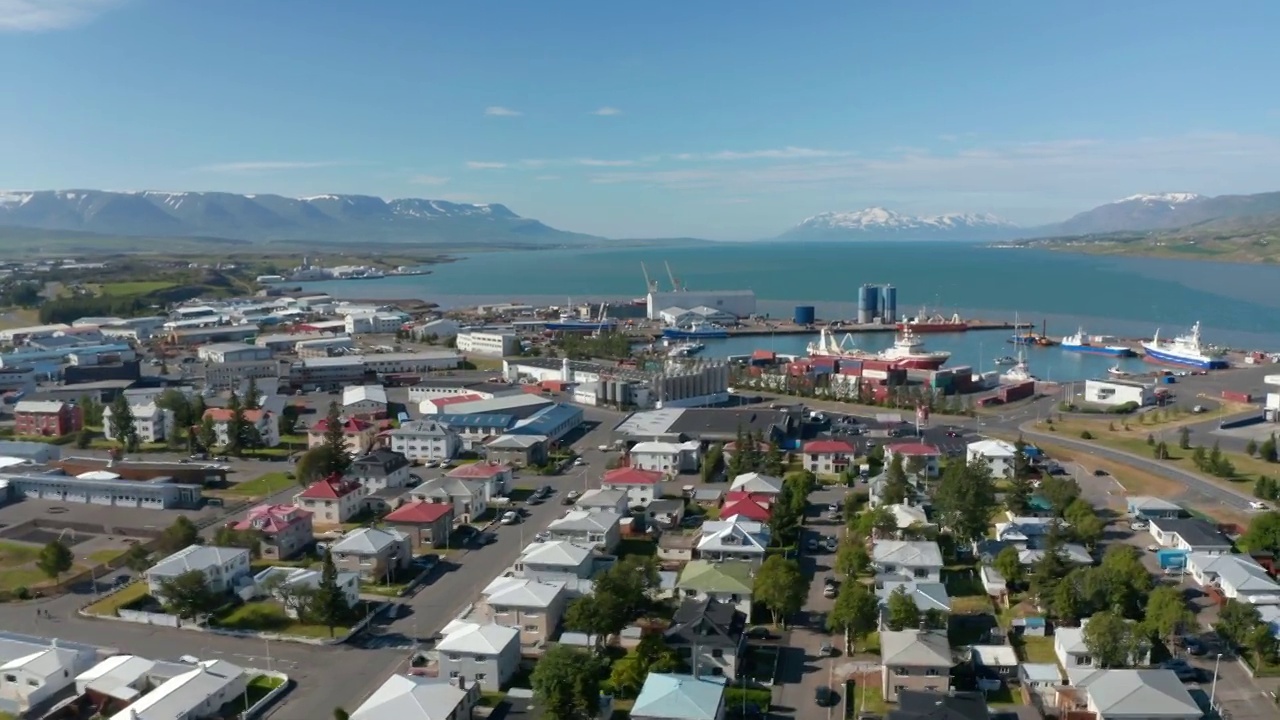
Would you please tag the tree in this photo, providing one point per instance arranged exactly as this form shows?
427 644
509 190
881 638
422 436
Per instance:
124 427
651 655
207 434
1268 449
1199 458
55 559
1262 641
711 464
566 683
251 395
781 587
798 484
1167 614
896 487
1065 601
1018 498
1059 492
1263 534
856 613
188 595
1021 463
964 499
1251 447
1120 583
1088 530
1236 622
330 607
1009 565
1111 640
902 611
311 465
235 426
874 523
340 714
138 559
84 438
1184 438
250 539
336 458
1049 570
773 464
182 533
852 558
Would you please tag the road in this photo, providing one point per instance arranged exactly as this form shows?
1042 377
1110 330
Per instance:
343 675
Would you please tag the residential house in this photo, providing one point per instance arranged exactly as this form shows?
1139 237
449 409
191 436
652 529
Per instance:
287 584
915 455
1073 654
484 654
1189 534
427 524
424 440
600 499
1149 694
224 568
828 457
1041 678
364 401
736 539
914 660
285 529
672 696
746 508
754 482
152 423
715 631
358 434
556 560
600 528
1238 577
533 606
929 705
32 670
496 476
676 547
665 514
522 450
197 693
997 454
994 583
1142 507
926 595
909 516
470 499
264 421
994 665
641 486
333 500
916 485
729 583
379 556
409 697
667 458
50 418
383 475
917 560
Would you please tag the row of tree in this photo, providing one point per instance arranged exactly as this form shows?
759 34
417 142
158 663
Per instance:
331 457
753 454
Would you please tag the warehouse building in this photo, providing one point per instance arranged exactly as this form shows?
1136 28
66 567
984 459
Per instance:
489 343
324 347
447 387
286 342
228 375
57 487
413 362
678 425
327 373
671 385
232 352
1118 392
739 303
552 423
518 406
192 336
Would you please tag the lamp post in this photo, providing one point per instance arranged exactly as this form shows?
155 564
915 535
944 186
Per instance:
1213 691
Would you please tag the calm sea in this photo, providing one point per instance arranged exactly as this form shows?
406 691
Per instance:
1237 305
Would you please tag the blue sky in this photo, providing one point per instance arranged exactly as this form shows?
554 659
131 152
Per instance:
727 120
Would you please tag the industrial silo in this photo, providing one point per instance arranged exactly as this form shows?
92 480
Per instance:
868 304
805 315
889 304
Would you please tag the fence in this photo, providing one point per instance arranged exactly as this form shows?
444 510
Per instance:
150 618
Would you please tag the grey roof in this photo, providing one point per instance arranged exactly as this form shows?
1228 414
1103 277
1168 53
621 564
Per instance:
429 428
516 442
378 463
406 697
522 592
367 541
994 655
706 622
1193 531
601 498
597 520
915 648
679 697
556 552
696 423
1144 502
1138 693
911 553
447 487
1042 672
927 596
474 638
196 557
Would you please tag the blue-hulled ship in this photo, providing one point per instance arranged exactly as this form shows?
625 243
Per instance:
1097 346
1186 350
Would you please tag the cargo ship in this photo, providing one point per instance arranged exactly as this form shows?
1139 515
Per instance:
908 351
936 323
1096 345
1186 350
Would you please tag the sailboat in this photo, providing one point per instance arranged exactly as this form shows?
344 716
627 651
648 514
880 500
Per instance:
1020 372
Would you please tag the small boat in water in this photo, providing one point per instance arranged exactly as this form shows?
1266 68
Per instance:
1006 360
1097 345
1115 371
1019 373
696 329
687 349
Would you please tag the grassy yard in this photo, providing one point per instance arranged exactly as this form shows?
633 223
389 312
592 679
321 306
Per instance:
1038 650
102 557
392 590
867 695
136 287
109 605
13 554
15 566
19 317
269 616
485 363
269 484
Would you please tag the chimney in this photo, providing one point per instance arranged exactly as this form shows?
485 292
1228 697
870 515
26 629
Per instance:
456 681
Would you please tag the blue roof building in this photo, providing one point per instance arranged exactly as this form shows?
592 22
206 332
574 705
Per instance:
554 422
476 421
672 696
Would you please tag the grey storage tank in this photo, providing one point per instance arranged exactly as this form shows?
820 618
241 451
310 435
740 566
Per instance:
868 304
889 304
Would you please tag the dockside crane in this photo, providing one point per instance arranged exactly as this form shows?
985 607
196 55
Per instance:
650 285
675 284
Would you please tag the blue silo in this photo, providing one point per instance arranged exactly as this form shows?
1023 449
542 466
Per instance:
868 304
889 304
805 315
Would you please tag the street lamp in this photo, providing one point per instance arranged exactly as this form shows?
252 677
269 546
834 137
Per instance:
1213 691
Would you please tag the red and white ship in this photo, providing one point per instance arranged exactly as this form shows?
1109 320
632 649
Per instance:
908 351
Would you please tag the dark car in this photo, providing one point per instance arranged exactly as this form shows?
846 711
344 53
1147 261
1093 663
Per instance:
1100 473
825 696
544 491
760 632
952 434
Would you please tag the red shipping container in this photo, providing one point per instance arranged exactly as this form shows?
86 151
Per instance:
880 393
1236 396
764 356
854 370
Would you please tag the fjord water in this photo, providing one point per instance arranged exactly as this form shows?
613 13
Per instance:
1130 297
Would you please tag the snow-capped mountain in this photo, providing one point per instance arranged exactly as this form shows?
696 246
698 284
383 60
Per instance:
877 223
272 217
1162 211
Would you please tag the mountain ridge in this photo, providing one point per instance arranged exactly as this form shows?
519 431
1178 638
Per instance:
878 224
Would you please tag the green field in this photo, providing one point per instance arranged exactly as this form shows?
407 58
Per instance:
269 616
269 484
137 287
110 604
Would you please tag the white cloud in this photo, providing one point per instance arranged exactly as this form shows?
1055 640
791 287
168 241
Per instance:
45 15
606 111
257 166
474 165
428 180
499 111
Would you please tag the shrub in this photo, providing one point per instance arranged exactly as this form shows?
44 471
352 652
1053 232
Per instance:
1086 435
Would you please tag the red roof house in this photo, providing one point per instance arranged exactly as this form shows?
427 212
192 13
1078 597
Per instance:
759 498
632 476
746 508
285 529
498 475
909 450
828 457
827 447
334 499
360 434
427 523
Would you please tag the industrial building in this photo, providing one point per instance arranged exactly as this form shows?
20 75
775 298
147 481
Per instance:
444 387
324 347
229 375
1118 392
517 406
21 380
55 486
489 343
678 425
739 303
233 352
192 336
552 423
1272 408
327 373
378 323
285 342
675 384
877 303
412 362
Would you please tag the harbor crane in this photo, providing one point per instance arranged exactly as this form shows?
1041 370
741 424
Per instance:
675 284
650 285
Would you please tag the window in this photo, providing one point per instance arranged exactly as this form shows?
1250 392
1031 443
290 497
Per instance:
478 677
898 688
453 674
478 658
455 657
920 572
717 652
531 628
33 682
11 678
1086 659
900 671
934 688
931 672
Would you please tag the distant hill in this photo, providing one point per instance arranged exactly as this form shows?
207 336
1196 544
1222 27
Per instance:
1161 211
274 218
879 224
1229 239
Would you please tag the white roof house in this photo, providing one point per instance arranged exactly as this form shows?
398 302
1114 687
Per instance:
372 394
126 677
199 692
754 482
478 639
223 567
406 697
907 515
991 449
556 552
522 592
1149 694
734 537
1240 577
367 541
907 553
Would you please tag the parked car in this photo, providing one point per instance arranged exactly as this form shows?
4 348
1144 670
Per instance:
830 591
824 696
1256 505
510 518
832 543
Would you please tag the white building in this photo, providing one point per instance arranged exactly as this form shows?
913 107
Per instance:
409 697
33 669
423 440
378 323
665 457
714 315
152 423
263 420
1239 577
441 328
233 375
232 352
740 303
224 568
489 343
641 486
1118 392
200 692
285 584
997 454
368 400
412 362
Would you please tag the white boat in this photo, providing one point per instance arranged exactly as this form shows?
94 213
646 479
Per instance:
687 349
1185 350
1115 371
1097 345
1006 360
908 351
1020 372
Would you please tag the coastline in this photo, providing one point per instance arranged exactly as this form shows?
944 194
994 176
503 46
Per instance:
1159 253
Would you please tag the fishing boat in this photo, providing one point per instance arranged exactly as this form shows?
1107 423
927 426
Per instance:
687 349
1006 360
1185 350
695 330
908 351
1020 372
568 324
1096 345
1115 371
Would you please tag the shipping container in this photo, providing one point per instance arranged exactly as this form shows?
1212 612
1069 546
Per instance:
764 356
880 393
962 371
805 315
854 370
873 373
1013 393
896 376
1236 396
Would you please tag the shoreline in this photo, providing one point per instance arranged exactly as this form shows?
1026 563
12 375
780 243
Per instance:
1084 249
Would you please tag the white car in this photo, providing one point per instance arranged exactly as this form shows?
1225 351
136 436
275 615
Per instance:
510 518
578 461
1255 505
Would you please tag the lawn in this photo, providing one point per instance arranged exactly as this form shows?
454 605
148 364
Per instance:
136 287
866 695
109 605
269 616
13 554
269 484
102 557
485 363
1038 650
392 590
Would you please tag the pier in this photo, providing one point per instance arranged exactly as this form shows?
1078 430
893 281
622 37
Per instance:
757 329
